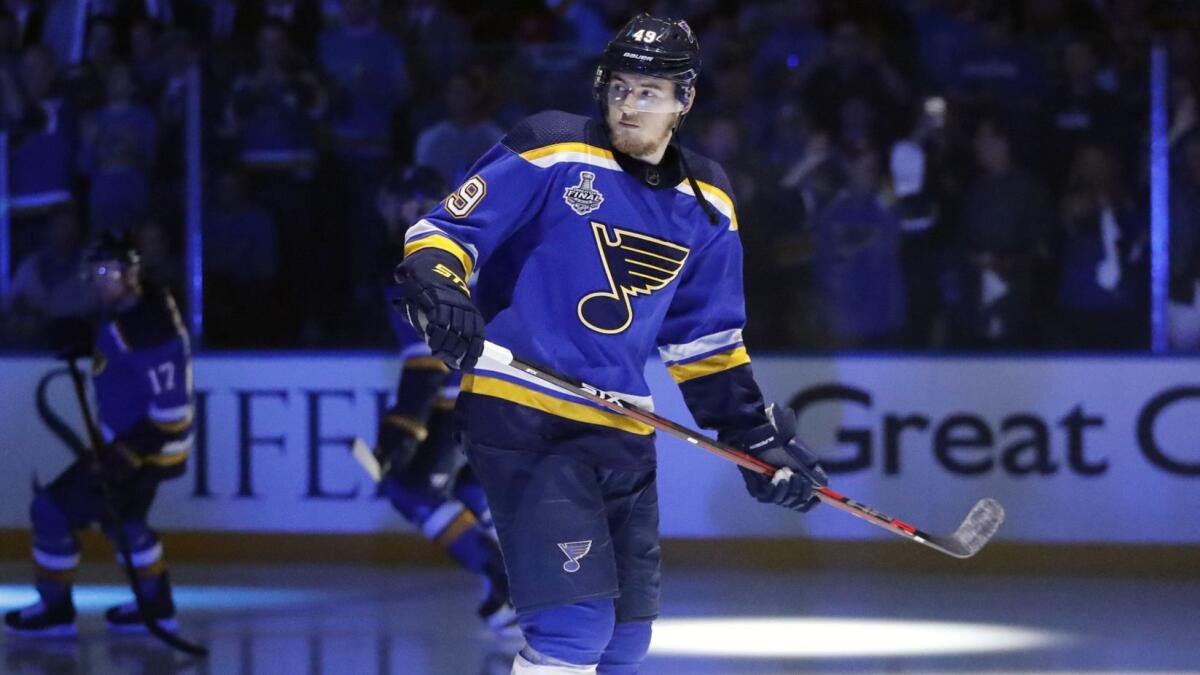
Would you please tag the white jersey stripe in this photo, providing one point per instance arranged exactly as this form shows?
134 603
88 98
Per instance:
717 202
709 343
423 228
175 414
483 368
178 447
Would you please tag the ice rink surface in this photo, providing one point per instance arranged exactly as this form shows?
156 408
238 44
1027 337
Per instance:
343 620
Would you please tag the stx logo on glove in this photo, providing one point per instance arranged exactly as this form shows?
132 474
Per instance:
450 274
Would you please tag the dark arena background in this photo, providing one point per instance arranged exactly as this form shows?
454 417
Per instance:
971 238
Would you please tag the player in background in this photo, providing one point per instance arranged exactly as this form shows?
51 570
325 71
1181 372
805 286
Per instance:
424 471
142 376
596 242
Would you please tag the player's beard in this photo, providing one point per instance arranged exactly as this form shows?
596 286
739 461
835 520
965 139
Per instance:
653 132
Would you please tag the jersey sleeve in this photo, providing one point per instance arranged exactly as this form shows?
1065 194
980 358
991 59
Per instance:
503 191
700 341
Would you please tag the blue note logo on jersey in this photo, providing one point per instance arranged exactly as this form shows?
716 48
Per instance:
574 550
583 198
634 264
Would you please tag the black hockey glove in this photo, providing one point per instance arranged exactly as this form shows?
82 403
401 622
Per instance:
775 444
117 465
433 295
398 440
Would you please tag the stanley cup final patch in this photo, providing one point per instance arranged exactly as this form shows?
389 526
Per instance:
583 198
574 550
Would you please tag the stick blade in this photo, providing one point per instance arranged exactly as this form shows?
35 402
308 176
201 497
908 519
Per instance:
976 530
366 459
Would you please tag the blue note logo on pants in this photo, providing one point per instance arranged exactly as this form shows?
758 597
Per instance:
574 550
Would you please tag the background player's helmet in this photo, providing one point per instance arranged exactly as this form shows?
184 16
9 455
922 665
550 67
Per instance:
648 45
413 182
421 184
110 247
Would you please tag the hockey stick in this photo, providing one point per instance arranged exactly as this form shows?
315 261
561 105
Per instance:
122 541
366 459
51 419
972 535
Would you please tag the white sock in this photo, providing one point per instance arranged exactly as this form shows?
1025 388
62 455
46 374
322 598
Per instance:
547 666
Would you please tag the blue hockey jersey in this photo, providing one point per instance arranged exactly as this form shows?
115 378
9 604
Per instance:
142 375
589 261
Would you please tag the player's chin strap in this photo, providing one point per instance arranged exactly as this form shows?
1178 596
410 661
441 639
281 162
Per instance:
711 212
687 171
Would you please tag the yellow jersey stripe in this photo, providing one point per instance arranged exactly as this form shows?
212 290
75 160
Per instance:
176 426
414 427
579 412
711 192
166 460
457 527
557 148
575 148
443 243
426 363
709 365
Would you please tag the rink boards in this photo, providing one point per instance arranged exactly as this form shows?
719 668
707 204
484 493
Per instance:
1079 449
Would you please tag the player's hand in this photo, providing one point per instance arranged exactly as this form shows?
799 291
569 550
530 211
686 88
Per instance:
799 471
397 444
116 464
434 298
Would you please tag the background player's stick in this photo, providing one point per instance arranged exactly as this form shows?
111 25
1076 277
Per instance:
366 459
122 542
972 535
50 418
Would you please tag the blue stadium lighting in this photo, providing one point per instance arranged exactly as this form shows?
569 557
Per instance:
822 637
91 598
1160 199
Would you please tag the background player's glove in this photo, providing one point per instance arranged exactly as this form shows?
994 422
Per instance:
116 465
434 297
396 446
775 444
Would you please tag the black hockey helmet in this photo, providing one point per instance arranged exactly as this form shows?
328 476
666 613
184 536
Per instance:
110 247
648 45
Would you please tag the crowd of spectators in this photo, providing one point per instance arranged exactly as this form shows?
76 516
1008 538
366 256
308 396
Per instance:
910 174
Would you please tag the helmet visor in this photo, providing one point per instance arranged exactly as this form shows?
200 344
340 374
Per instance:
642 93
102 272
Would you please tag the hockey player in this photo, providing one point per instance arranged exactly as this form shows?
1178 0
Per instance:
142 375
424 470
595 241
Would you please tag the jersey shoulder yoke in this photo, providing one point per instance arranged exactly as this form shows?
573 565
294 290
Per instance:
556 131
152 322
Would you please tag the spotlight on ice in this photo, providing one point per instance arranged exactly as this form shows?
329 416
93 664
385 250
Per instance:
96 597
814 637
